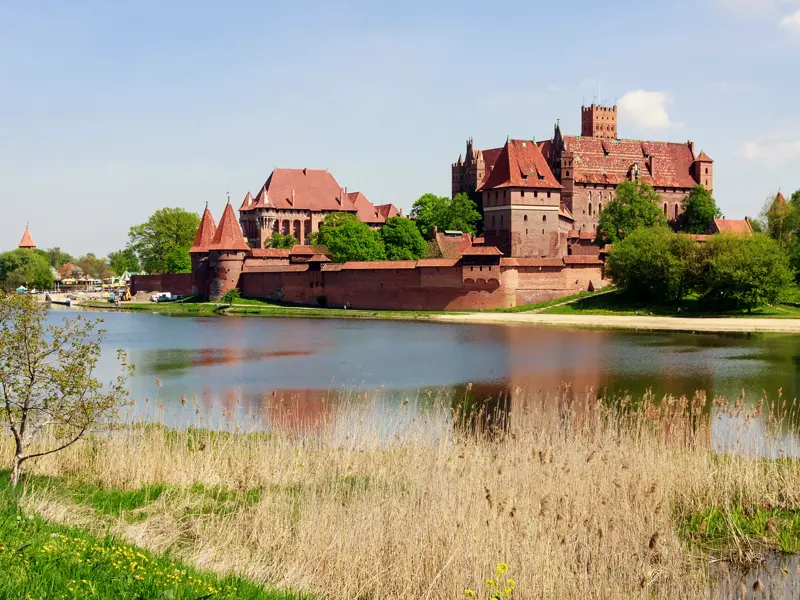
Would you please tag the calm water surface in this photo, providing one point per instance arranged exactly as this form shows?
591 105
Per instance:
233 366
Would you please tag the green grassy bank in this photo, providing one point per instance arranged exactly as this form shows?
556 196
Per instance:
43 560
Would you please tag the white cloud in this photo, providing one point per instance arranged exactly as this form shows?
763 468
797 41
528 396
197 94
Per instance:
791 21
646 109
775 152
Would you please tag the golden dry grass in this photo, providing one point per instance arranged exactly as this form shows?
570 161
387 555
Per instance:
580 500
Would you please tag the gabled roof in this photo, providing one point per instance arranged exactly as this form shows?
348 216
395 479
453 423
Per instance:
367 212
301 189
737 226
228 235
453 246
520 164
482 251
610 162
388 211
205 233
27 240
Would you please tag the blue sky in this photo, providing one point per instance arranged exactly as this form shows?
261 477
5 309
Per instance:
114 109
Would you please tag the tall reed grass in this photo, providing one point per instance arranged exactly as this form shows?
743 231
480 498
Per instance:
580 496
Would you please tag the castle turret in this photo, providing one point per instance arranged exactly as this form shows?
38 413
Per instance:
599 122
704 171
27 241
201 275
226 255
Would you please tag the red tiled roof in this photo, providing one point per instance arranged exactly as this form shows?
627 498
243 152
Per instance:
27 240
205 233
733 226
452 246
520 164
270 252
780 199
703 158
663 164
301 189
379 264
478 241
531 262
367 212
228 235
388 211
248 200
437 262
578 259
482 251
300 250
318 258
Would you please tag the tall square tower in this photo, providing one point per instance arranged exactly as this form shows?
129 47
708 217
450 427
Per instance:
599 122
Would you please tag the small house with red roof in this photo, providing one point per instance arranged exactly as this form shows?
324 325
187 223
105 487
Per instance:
296 201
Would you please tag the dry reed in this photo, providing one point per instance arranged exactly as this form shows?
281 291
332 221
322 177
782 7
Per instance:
578 497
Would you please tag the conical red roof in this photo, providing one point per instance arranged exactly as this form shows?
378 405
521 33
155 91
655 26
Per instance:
205 233
229 235
703 158
27 240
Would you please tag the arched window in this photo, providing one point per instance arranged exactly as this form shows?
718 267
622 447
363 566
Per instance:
676 211
599 208
525 218
544 218
590 209
665 208
493 223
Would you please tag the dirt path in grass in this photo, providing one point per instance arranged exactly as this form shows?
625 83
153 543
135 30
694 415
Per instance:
740 324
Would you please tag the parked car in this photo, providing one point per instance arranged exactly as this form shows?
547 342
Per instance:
161 297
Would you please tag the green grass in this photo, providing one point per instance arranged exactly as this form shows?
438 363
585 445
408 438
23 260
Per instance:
772 528
615 303
41 560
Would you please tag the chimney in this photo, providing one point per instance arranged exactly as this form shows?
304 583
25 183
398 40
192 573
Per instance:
305 171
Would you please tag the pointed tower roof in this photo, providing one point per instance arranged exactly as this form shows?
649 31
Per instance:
205 233
247 202
27 240
229 235
780 198
703 158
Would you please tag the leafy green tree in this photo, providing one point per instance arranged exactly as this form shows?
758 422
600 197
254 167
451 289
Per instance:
22 267
58 258
635 205
124 260
744 272
47 380
94 267
278 240
699 211
456 214
756 225
778 219
163 241
402 239
349 239
231 296
654 264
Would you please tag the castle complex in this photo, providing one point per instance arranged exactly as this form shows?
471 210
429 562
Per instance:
587 169
540 202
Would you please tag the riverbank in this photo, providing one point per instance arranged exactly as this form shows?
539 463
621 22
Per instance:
580 500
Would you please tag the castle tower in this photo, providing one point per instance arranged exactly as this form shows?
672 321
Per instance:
226 255
199 253
599 122
704 171
27 241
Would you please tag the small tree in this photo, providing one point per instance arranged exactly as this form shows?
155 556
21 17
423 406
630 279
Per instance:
278 240
231 296
402 239
459 214
635 206
699 211
47 379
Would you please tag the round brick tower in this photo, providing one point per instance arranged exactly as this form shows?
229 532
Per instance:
201 274
226 255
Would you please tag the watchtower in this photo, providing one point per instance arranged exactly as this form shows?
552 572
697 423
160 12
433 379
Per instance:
599 122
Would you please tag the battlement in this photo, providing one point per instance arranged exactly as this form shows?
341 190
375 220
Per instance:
599 121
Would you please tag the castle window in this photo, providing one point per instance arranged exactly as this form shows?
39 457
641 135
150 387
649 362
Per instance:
522 193
665 208
535 194
599 208
525 218
548 194
493 223
590 209
706 170
676 211
544 218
